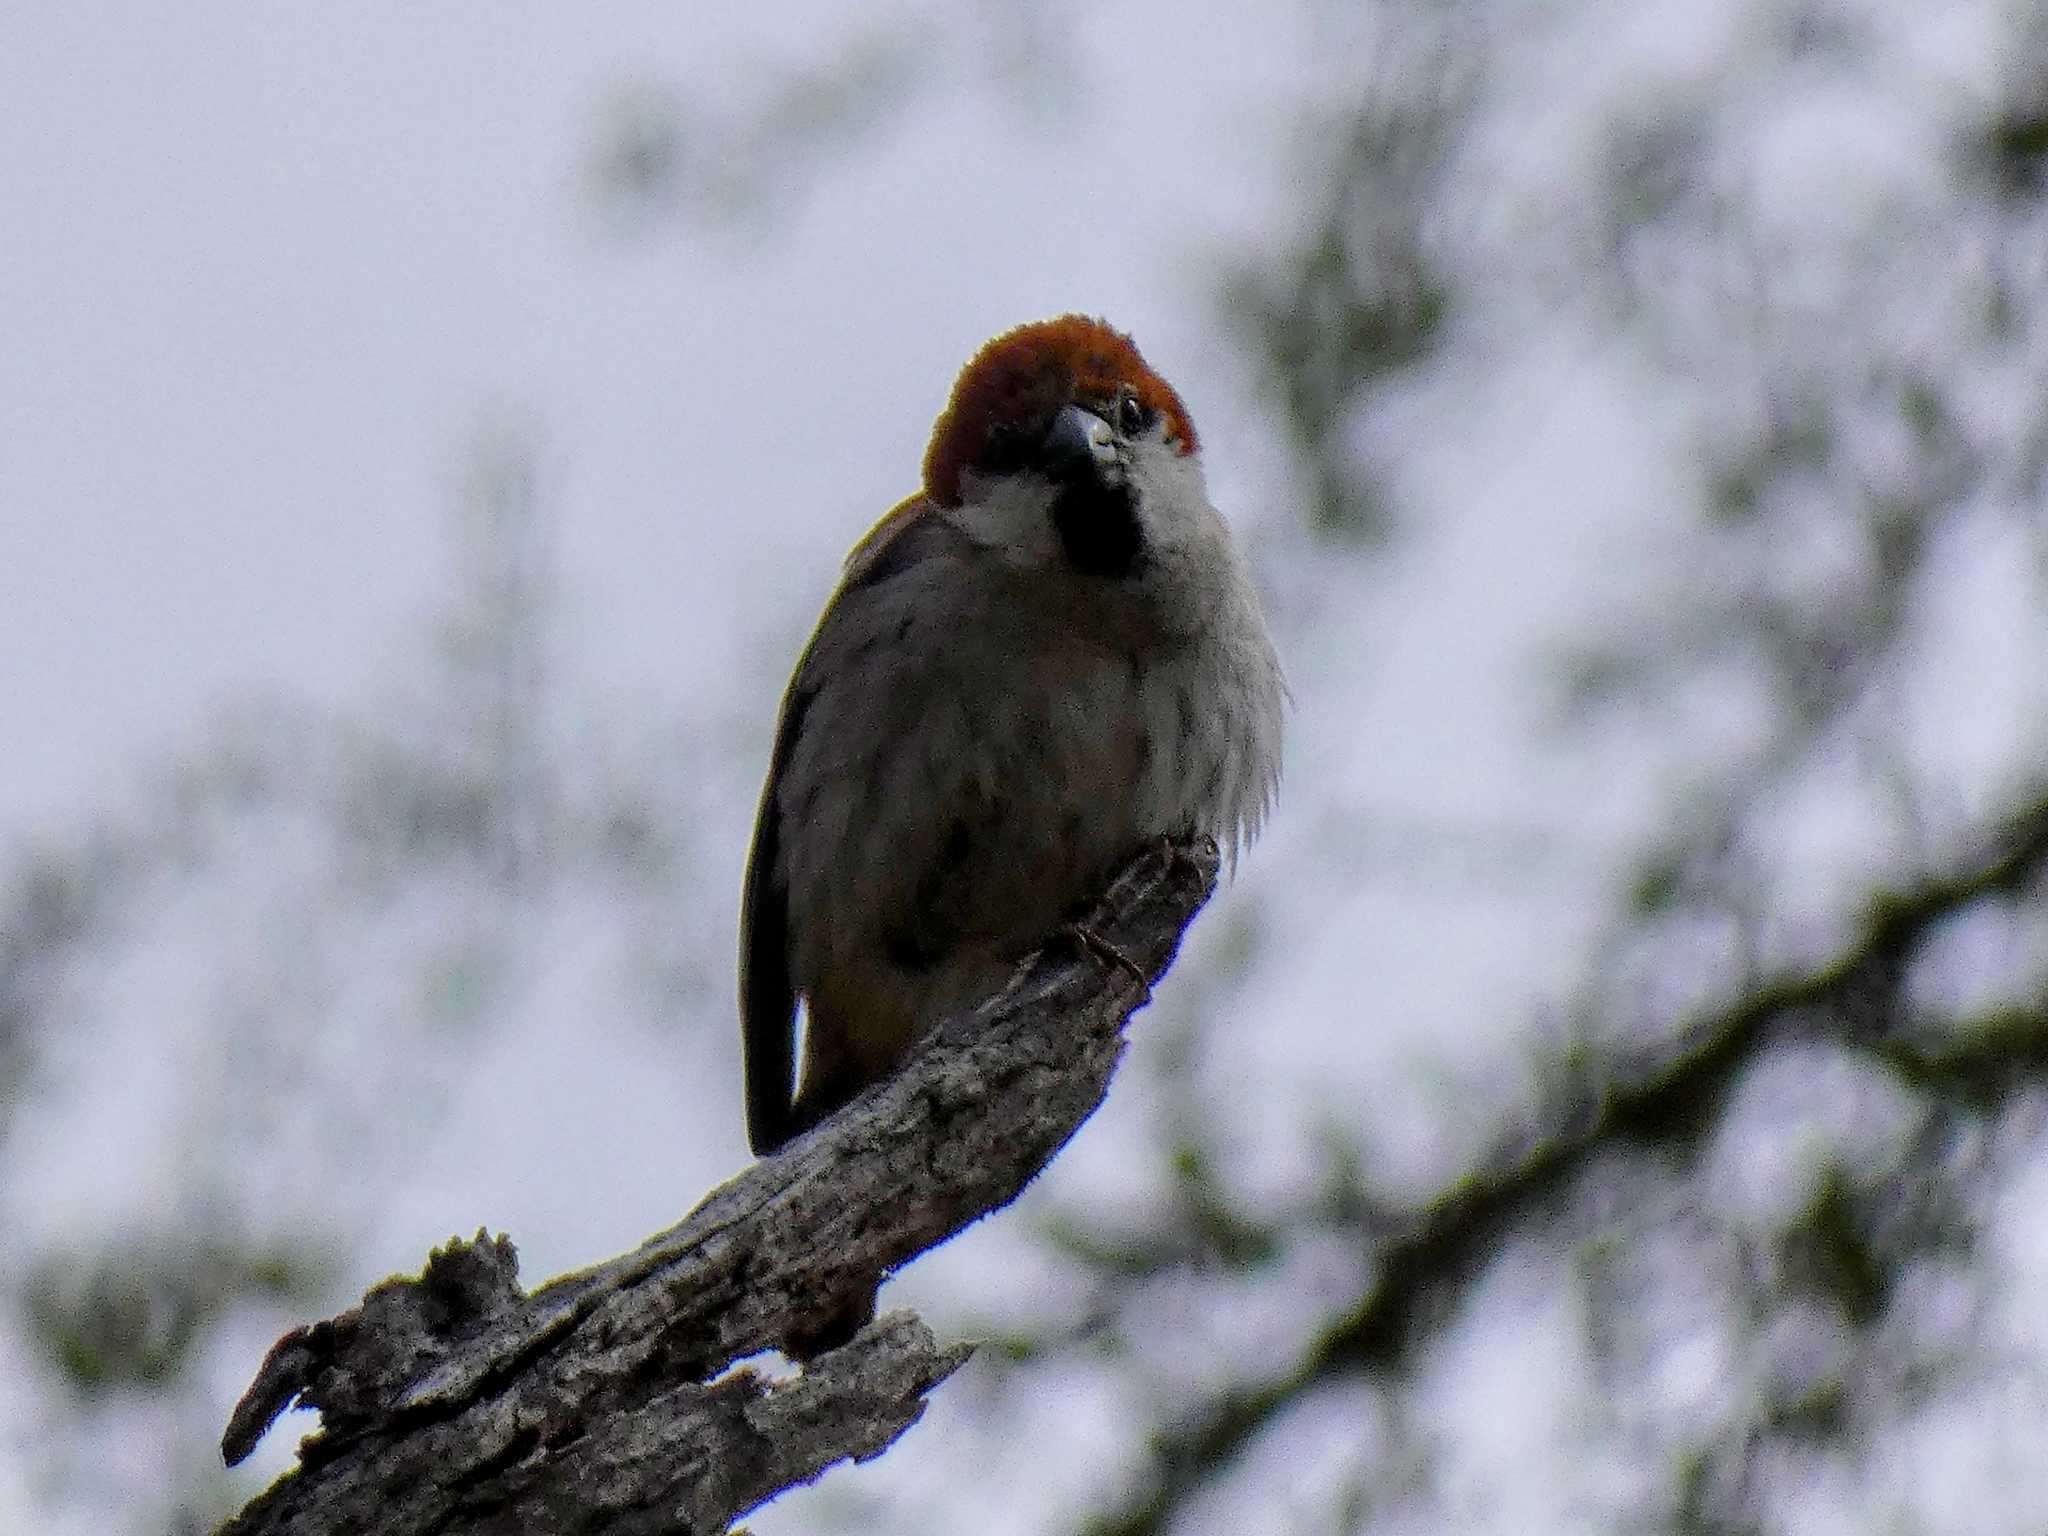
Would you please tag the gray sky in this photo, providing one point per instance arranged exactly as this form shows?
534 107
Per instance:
266 278
263 276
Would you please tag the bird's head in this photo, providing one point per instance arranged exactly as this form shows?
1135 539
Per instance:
1060 444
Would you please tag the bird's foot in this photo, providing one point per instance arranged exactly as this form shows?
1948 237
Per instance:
1089 942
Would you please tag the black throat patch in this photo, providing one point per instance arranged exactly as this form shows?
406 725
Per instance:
1098 527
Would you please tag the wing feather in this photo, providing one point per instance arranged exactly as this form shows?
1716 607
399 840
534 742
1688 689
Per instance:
767 995
767 989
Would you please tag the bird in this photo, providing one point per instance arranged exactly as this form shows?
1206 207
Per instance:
1049 656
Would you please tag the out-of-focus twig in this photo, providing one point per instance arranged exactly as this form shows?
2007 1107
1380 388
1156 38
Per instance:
1422 1259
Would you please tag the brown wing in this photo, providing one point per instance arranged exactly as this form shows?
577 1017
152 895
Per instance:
767 991
875 545
767 995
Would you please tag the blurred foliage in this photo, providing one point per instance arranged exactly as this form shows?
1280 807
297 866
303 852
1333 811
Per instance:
129 1313
1853 416
1363 293
745 156
661 152
1763 1151
368 887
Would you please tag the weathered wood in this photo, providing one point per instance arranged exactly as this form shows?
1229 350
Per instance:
613 1400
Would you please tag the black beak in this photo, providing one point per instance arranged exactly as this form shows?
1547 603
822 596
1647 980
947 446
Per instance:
1079 445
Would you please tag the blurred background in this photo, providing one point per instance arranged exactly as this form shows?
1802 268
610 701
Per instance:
1611 1097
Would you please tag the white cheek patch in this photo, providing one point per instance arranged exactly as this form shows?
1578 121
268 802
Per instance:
1009 515
1173 497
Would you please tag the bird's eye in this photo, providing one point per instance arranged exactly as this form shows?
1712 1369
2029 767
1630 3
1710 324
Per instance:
1131 414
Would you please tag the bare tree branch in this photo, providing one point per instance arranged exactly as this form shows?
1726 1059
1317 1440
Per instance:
606 1401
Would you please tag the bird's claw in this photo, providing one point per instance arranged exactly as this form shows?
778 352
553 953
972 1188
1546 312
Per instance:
1089 942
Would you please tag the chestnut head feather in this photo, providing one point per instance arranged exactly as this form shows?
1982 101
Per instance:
1013 386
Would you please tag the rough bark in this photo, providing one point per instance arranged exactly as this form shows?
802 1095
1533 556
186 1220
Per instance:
611 1400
